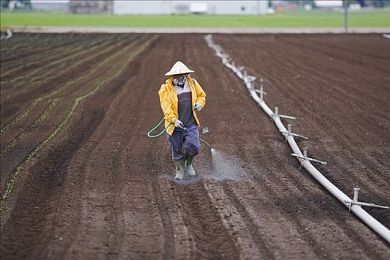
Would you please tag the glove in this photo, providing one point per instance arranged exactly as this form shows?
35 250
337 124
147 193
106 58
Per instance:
179 123
197 107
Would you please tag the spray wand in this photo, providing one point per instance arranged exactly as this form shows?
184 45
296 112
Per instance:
164 130
199 138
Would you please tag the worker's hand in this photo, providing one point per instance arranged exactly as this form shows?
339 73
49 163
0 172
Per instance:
179 123
197 107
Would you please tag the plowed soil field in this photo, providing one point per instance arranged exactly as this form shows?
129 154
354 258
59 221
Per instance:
81 180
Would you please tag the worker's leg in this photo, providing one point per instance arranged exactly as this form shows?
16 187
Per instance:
191 147
191 143
178 157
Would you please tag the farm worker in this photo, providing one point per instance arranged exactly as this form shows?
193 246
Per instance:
180 97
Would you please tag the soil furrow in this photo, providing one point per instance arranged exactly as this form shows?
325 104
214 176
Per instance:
68 63
29 60
21 41
204 221
340 223
14 165
35 208
41 58
293 92
257 237
62 81
331 126
114 243
12 178
162 207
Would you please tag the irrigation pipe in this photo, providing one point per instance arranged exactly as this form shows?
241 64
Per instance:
7 35
352 204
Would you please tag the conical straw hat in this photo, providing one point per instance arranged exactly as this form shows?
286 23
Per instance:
178 68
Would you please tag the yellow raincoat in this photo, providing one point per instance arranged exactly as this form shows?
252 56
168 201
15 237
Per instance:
169 101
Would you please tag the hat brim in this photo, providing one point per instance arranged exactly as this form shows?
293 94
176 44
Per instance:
178 73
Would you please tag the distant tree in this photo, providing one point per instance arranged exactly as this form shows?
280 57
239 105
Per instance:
379 3
25 3
4 3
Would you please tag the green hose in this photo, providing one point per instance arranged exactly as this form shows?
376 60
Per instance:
154 128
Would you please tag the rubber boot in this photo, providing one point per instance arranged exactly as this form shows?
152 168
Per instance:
189 169
179 169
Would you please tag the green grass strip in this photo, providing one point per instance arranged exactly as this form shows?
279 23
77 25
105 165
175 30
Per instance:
289 19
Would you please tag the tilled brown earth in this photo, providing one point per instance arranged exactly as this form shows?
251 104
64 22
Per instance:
82 180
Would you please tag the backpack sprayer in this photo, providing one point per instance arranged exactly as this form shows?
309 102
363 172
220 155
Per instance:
204 131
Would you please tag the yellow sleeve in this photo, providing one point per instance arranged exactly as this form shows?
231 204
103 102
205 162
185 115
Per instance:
166 106
201 95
